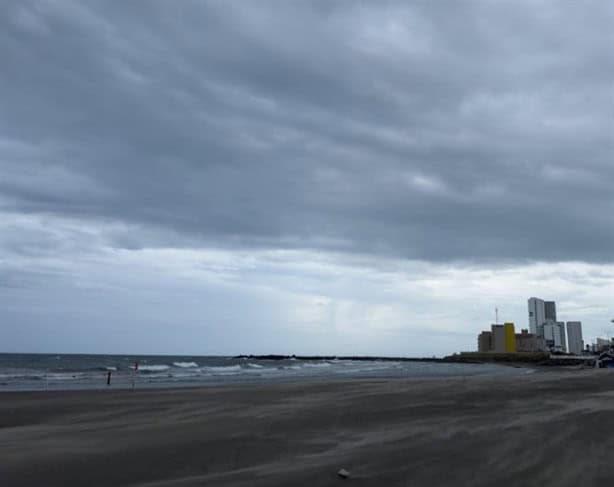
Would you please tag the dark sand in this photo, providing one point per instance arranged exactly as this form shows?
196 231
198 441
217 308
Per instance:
551 428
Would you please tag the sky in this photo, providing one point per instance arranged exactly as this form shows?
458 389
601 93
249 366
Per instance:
224 177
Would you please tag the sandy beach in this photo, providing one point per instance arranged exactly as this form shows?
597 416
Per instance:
546 428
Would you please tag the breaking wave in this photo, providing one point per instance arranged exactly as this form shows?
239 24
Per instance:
185 365
224 370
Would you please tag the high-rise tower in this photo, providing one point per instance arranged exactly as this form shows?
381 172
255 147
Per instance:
537 316
574 337
550 310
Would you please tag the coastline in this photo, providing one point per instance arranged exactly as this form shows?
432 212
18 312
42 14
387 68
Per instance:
516 358
476 431
68 372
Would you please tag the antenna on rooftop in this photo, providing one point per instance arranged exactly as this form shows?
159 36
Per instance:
497 316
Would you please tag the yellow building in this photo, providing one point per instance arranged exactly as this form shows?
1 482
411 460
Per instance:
510 337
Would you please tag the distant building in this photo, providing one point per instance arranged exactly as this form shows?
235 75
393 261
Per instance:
550 311
498 338
528 342
554 334
501 339
510 337
543 323
537 315
485 341
574 337
602 344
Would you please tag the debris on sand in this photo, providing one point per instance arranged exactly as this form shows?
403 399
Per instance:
343 473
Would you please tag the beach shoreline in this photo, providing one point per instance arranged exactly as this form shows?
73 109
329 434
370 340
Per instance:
69 372
522 430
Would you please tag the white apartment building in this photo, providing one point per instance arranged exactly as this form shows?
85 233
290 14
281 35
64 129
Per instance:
574 337
537 316
554 334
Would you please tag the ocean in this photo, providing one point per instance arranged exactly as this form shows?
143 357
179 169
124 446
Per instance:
71 371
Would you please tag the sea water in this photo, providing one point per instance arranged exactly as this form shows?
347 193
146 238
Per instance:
70 371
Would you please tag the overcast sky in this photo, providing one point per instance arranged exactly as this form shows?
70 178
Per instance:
301 177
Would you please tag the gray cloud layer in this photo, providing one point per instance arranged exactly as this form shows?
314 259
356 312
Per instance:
437 131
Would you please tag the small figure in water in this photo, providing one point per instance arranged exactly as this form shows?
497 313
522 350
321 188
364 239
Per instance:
109 378
136 368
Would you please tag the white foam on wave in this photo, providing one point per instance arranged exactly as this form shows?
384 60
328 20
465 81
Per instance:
318 365
255 366
154 368
111 368
228 369
185 365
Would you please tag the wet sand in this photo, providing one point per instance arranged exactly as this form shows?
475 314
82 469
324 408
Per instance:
551 428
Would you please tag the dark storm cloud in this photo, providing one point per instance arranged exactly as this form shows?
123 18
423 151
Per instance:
434 131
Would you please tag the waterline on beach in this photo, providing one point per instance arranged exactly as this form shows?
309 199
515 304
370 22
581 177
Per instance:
57 372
